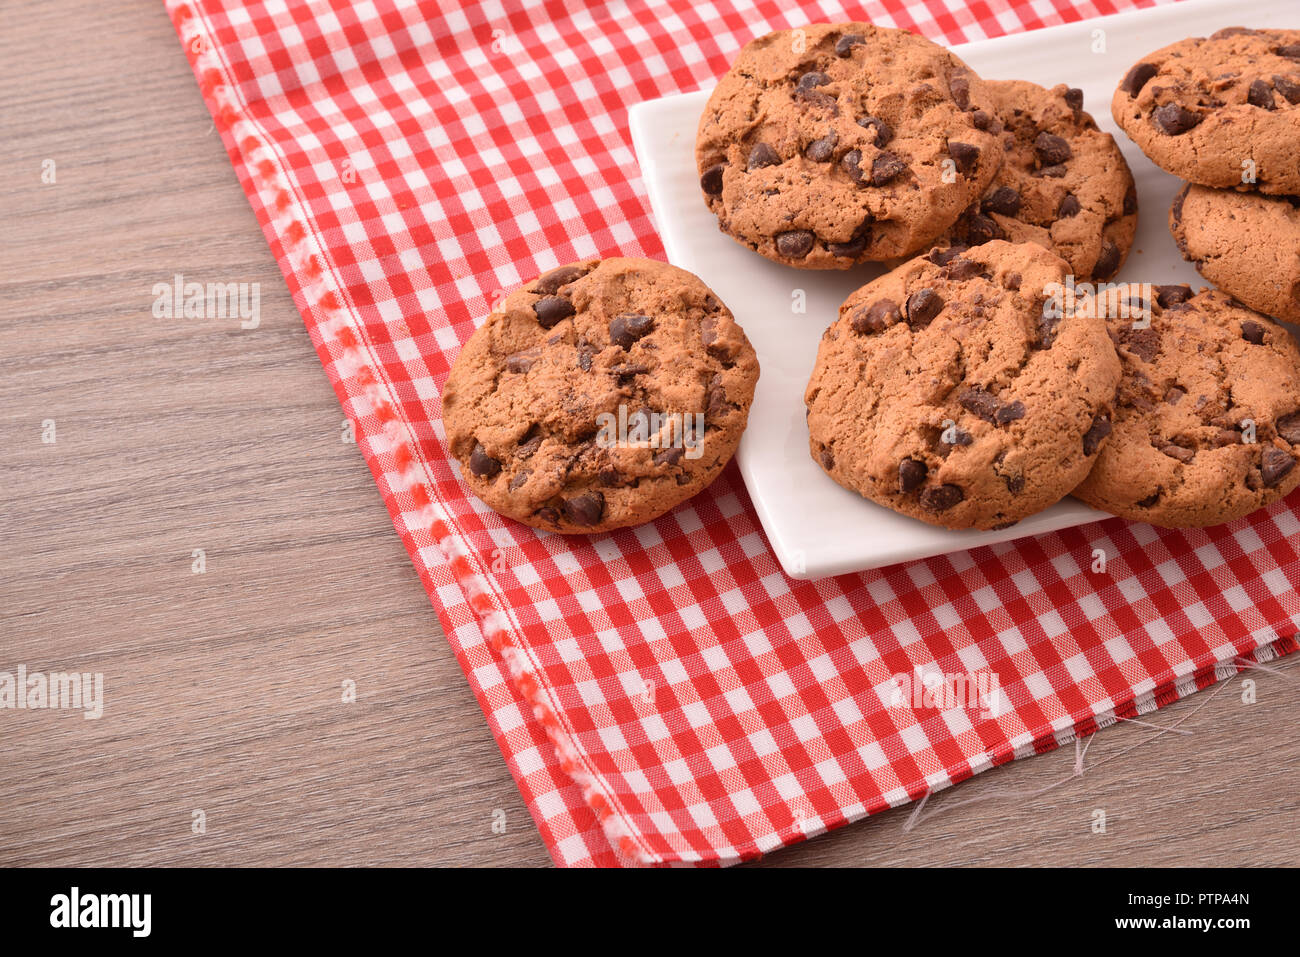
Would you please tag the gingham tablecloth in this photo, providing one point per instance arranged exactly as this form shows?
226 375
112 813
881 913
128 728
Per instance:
665 693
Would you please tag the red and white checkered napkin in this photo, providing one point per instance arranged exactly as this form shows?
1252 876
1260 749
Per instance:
663 694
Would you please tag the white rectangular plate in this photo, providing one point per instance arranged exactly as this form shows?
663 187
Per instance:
816 527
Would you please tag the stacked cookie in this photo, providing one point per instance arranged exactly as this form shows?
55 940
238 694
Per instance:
970 387
1223 113
837 144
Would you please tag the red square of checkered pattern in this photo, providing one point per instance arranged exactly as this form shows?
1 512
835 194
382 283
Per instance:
664 694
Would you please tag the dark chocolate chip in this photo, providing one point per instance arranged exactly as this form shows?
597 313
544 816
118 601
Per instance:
1004 201
482 464
1260 95
827 459
811 80
1274 465
1289 87
1054 172
849 163
806 91
1107 261
1131 201
794 244
717 399
942 257
626 371
911 474
885 168
958 435
1012 281
1288 427
1052 150
875 318
529 442
1074 98
1069 207
1252 332
1150 500
1175 120
669 456
818 98
982 403
1047 325
762 155
884 133
628 328
551 310
1227 437
1291 51
850 250
960 88
820 151
1099 429
980 229
586 509
922 306
981 119
548 514
964 155
1015 483
1175 395
1143 343
1178 452
549 283
939 498
1167 296
845 44
962 269
1137 78
1010 412
711 181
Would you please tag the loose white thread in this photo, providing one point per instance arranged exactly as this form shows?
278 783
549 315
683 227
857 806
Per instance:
916 817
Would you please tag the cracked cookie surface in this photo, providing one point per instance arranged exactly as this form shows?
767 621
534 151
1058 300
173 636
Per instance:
946 391
1202 106
1180 455
1247 244
528 403
836 144
1064 184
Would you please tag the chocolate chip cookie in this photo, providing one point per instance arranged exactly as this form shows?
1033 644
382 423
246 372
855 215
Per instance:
952 390
1220 111
835 144
1064 184
1247 244
1207 422
600 395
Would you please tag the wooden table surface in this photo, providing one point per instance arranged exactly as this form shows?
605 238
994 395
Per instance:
223 690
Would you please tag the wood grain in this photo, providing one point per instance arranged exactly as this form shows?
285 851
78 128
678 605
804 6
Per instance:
224 689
